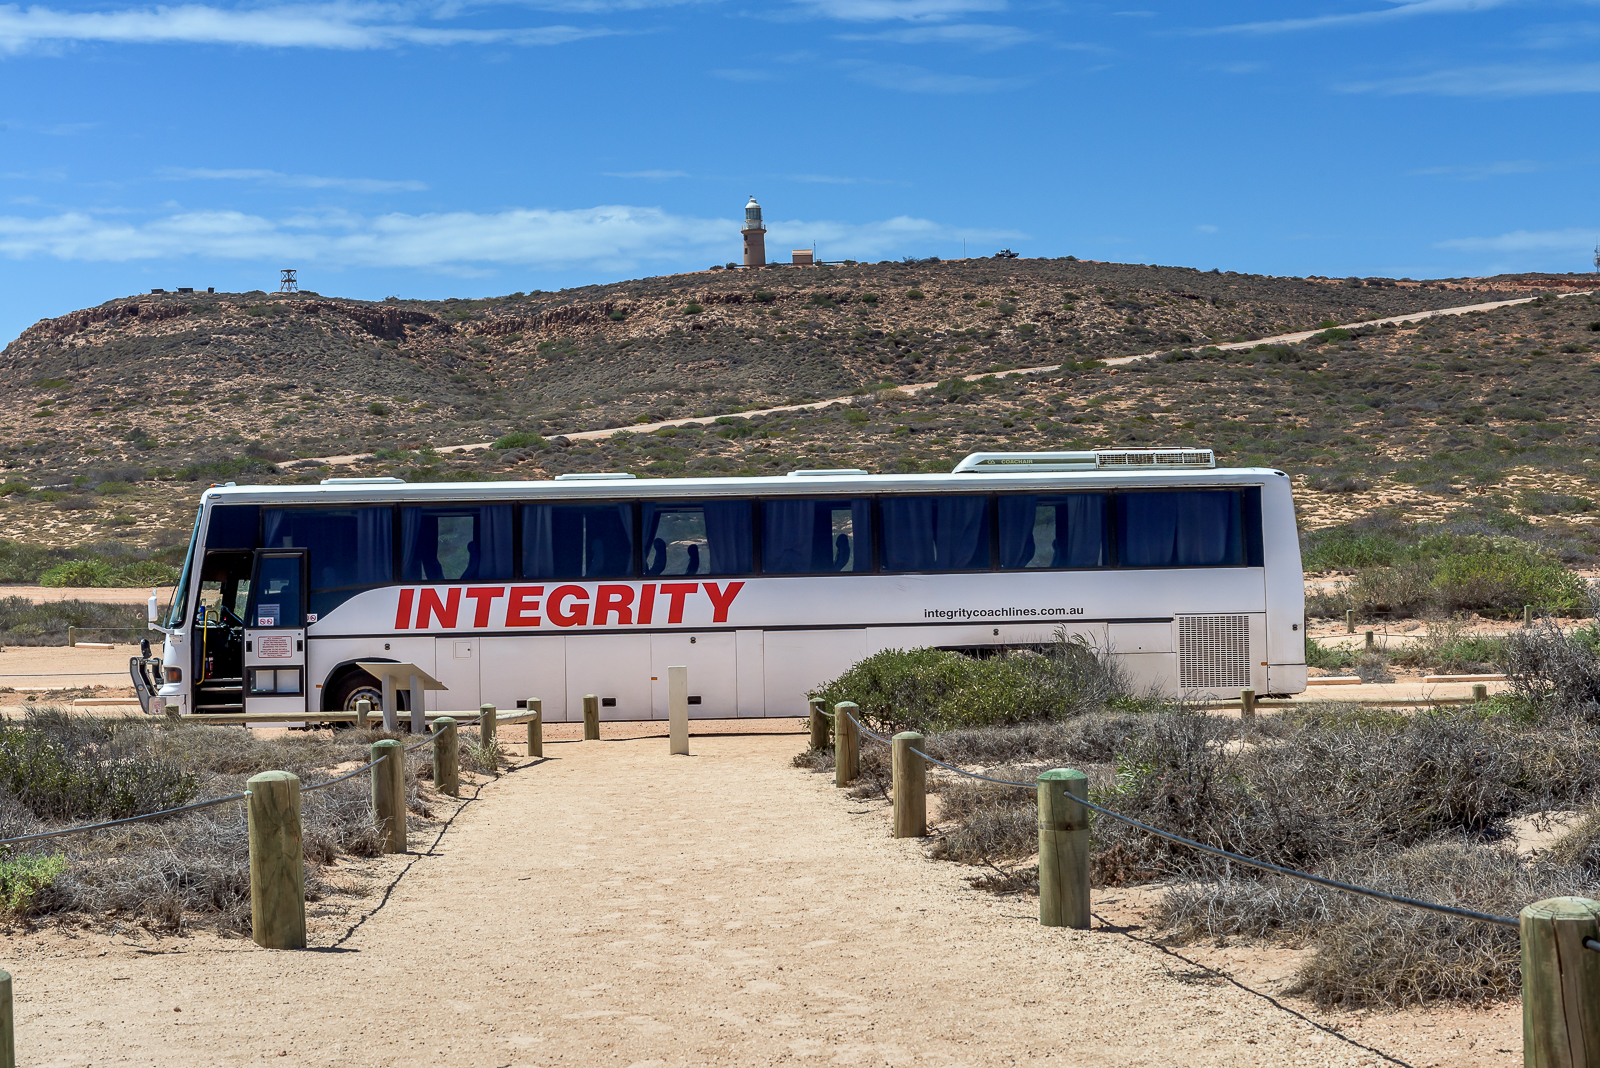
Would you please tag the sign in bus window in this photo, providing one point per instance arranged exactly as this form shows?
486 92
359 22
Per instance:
935 533
815 537
577 541
1185 528
456 544
349 547
278 598
697 537
1065 530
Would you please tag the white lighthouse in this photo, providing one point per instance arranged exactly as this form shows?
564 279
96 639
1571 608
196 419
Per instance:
755 235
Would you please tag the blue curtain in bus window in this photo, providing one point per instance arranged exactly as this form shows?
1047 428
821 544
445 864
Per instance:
1056 531
814 537
697 537
348 547
455 544
1189 528
574 541
935 533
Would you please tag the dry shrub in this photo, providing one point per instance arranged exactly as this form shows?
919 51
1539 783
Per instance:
167 873
989 824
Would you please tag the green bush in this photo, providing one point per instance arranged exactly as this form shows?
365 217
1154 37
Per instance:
59 769
692 308
378 408
21 879
521 439
113 489
913 294
869 298
1328 659
616 315
934 689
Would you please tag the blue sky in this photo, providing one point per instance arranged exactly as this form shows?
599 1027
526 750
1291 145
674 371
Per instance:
434 148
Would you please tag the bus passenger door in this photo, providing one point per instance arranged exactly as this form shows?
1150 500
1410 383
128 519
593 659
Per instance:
275 634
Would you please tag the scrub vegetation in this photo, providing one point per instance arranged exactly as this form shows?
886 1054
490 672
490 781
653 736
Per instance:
1427 805
61 770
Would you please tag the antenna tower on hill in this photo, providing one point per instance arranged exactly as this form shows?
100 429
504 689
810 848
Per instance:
288 284
1597 259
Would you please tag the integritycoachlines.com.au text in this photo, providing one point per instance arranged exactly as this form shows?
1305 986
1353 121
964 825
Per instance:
998 613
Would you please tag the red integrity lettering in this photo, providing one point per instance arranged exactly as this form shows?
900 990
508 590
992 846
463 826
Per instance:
609 599
485 596
647 602
428 605
524 603
721 600
676 592
555 607
402 615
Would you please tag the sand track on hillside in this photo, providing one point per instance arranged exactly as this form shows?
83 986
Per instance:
617 906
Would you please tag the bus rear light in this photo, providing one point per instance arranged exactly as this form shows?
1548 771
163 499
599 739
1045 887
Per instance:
174 674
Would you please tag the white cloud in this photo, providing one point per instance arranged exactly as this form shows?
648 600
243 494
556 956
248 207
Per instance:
615 238
293 181
1573 239
1495 81
1473 172
1402 9
898 10
341 25
978 35
909 79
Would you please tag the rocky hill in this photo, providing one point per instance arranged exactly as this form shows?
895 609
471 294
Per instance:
120 410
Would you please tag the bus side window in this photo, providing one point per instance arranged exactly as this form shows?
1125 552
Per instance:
935 533
697 537
349 548
577 541
1180 528
470 543
815 537
1060 531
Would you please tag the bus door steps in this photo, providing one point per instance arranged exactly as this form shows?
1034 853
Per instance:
221 695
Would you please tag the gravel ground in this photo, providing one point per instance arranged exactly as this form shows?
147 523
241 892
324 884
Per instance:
613 905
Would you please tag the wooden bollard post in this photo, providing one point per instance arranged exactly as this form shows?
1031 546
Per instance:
678 711
488 728
1247 703
846 744
1350 621
446 757
389 794
72 637
1480 691
1527 615
819 725
591 718
8 1025
277 862
910 787
1063 850
363 711
1560 984
536 727
1371 642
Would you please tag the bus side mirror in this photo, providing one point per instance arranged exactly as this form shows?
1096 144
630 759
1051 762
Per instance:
152 608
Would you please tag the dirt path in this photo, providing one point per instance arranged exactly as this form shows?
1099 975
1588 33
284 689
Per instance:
617 906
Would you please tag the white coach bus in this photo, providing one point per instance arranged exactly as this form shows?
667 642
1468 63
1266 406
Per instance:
764 587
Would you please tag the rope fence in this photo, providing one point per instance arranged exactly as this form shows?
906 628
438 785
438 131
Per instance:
1561 1029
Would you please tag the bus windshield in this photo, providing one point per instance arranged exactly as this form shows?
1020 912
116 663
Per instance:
177 610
